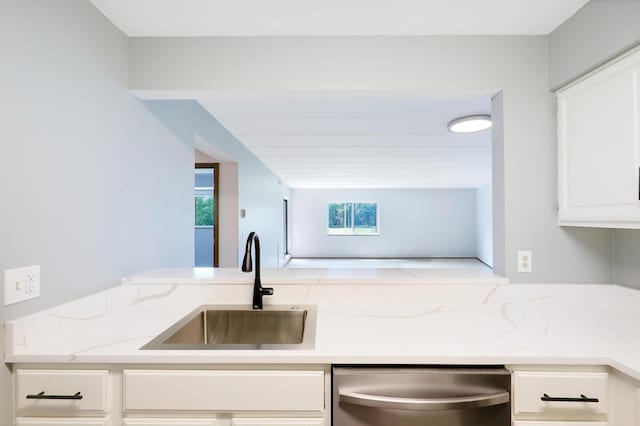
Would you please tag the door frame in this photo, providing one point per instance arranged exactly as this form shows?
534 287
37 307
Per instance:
216 199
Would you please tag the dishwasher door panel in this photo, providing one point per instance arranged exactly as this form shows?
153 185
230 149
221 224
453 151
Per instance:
423 396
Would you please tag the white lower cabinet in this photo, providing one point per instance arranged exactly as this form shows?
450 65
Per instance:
560 395
170 397
536 423
277 422
36 421
58 397
560 398
169 422
65 393
220 397
223 390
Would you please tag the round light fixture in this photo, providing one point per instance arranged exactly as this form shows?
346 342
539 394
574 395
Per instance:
470 124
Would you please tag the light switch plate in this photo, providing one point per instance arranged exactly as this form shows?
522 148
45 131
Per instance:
21 284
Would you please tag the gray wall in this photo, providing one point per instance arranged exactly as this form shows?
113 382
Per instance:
260 192
93 187
484 224
599 31
514 68
413 223
626 257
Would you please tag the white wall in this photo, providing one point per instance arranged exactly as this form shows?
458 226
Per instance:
259 191
515 68
413 223
484 224
93 187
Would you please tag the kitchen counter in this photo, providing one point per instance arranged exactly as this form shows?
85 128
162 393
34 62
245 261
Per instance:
401 323
383 276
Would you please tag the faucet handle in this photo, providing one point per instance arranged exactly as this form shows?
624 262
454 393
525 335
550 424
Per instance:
266 291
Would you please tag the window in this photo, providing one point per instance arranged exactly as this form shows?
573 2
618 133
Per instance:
349 218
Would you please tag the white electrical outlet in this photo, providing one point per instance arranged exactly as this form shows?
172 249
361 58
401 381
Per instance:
21 284
525 261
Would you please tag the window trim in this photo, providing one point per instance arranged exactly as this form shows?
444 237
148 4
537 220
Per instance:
373 234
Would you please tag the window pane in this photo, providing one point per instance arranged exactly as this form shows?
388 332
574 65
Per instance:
203 187
338 219
204 211
336 215
366 218
203 178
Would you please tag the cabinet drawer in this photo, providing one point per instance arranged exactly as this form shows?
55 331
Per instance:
36 421
223 390
530 386
91 385
277 422
535 423
169 422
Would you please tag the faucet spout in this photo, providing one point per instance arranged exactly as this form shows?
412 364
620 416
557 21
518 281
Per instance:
247 266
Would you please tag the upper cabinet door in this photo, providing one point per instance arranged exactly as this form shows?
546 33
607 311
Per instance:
599 148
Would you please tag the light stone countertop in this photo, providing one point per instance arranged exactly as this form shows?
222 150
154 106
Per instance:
358 322
380 276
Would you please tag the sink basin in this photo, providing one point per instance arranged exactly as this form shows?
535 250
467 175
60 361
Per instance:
241 327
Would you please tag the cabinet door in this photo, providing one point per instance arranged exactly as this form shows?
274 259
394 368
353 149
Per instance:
530 386
38 421
598 148
536 423
80 392
169 422
277 422
223 390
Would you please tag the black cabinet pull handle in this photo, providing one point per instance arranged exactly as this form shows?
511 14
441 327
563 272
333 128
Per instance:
42 395
582 398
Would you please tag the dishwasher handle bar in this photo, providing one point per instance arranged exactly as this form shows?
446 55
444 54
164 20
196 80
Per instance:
425 404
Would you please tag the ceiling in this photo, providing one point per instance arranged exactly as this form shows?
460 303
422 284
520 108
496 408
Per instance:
357 140
335 17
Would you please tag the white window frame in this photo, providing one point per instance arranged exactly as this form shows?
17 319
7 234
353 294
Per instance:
353 212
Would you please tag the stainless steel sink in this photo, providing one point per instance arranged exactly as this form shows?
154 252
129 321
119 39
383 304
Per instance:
241 327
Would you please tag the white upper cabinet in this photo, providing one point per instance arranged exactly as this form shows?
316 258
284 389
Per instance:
599 148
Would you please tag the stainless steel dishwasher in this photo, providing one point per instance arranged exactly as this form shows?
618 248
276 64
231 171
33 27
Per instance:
421 396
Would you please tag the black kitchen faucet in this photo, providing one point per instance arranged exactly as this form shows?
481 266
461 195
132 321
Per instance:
247 266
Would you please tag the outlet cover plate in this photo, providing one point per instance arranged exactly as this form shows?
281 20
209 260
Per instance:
21 284
525 261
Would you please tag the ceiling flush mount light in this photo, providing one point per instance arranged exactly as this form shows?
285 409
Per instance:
470 124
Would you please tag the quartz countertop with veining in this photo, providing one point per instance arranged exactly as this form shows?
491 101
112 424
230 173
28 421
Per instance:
360 321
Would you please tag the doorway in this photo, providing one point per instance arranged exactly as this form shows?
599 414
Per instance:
206 185
285 226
